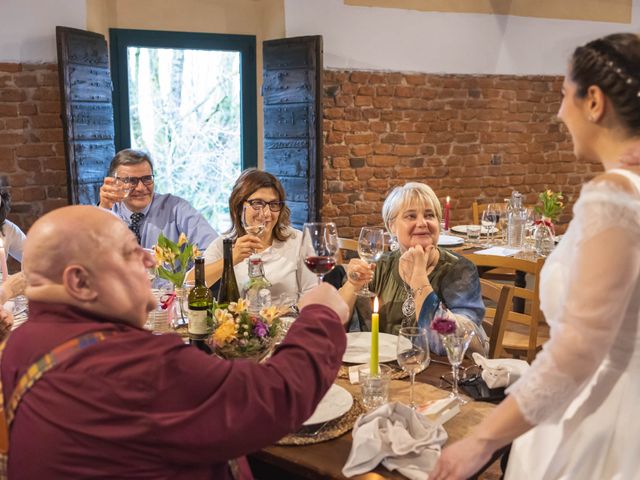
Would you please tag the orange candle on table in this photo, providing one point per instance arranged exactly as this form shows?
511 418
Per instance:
447 212
375 319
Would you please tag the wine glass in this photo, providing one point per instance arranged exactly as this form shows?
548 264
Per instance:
253 221
456 344
489 220
125 187
151 271
370 249
319 247
413 354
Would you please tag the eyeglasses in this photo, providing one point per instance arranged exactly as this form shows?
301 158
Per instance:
146 180
258 204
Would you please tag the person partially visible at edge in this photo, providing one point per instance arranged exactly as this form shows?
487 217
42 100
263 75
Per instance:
573 414
138 405
419 271
146 212
262 197
12 236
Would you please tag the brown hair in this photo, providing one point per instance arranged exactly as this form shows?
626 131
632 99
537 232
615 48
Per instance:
247 183
129 156
612 63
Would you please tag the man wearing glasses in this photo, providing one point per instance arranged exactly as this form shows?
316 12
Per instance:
128 191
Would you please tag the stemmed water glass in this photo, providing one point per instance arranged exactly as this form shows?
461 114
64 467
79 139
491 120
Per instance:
489 220
413 354
370 249
319 247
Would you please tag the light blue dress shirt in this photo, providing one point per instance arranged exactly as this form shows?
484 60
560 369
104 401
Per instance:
170 215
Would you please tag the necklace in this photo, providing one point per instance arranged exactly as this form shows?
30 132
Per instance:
409 304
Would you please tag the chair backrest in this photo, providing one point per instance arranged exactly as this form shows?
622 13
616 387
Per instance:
347 249
476 210
501 297
529 295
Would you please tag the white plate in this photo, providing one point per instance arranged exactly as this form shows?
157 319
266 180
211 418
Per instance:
450 240
359 347
463 229
336 402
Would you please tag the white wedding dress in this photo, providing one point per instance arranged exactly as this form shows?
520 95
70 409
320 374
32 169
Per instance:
583 390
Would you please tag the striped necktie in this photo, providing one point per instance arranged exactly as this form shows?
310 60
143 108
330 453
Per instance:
134 226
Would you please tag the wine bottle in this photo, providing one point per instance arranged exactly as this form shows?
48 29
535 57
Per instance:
228 291
200 302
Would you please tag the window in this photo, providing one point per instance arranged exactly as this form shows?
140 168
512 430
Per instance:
189 99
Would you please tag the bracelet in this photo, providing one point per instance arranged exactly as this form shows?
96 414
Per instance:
417 291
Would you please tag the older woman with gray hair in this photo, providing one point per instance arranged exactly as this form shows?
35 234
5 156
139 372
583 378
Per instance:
419 275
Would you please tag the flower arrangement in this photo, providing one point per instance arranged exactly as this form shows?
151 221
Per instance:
173 259
238 333
550 204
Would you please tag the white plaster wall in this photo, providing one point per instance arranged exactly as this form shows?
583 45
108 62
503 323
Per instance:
407 40
28 27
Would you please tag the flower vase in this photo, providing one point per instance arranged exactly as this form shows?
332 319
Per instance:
180 308
544 236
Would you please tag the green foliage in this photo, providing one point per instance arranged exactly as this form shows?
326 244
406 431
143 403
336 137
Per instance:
550 204
174 258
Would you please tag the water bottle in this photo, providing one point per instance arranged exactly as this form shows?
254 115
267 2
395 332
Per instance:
544 239
516 221
257 289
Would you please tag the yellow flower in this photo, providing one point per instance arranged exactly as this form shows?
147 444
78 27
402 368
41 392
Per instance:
182 239
271 313
549 193
240 306
196 252
222 316
225 333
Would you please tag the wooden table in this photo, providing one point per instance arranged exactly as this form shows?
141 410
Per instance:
325 460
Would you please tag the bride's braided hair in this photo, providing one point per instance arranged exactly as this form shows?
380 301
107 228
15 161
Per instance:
613 64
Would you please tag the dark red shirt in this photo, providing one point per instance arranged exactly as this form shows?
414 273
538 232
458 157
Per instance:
140 405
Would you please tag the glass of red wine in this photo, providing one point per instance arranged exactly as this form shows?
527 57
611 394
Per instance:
319 247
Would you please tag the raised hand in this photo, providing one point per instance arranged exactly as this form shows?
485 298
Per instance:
245 246
359 273
110 193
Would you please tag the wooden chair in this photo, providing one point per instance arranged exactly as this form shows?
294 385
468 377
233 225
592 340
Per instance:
476 211
521 333
497 313
347 249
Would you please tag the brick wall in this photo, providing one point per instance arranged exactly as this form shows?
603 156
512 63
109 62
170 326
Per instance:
31 148
469 137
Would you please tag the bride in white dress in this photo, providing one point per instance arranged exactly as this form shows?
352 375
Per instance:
574 413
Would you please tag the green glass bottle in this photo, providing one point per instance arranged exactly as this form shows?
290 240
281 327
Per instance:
200 303
228 291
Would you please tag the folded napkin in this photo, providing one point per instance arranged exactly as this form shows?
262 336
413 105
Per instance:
500 372
397 436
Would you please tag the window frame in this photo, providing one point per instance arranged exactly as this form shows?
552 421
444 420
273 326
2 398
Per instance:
121 39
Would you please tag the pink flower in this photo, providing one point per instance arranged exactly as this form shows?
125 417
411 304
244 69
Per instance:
443 326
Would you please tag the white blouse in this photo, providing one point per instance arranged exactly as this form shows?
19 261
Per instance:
283 266
13 239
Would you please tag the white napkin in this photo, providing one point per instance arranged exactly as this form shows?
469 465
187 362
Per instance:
500 372
397 436
498 251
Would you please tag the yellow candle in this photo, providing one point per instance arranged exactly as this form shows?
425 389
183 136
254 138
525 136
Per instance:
375 318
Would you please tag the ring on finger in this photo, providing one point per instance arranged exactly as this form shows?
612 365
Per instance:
354 276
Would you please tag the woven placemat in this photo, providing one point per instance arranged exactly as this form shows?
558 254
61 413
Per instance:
331 430
398 374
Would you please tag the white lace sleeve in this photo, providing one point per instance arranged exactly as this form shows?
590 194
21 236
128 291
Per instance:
602 279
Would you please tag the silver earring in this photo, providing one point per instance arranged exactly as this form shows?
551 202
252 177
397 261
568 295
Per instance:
393 243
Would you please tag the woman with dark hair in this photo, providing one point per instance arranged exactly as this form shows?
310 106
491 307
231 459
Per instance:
262 197
574 413
11 235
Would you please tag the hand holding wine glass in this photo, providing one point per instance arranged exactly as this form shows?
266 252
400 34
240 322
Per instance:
319 247
413 354
370 249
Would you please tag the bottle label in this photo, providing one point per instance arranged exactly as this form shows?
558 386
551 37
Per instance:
198 322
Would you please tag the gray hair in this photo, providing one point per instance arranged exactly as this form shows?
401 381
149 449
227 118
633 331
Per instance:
129 156
409 193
